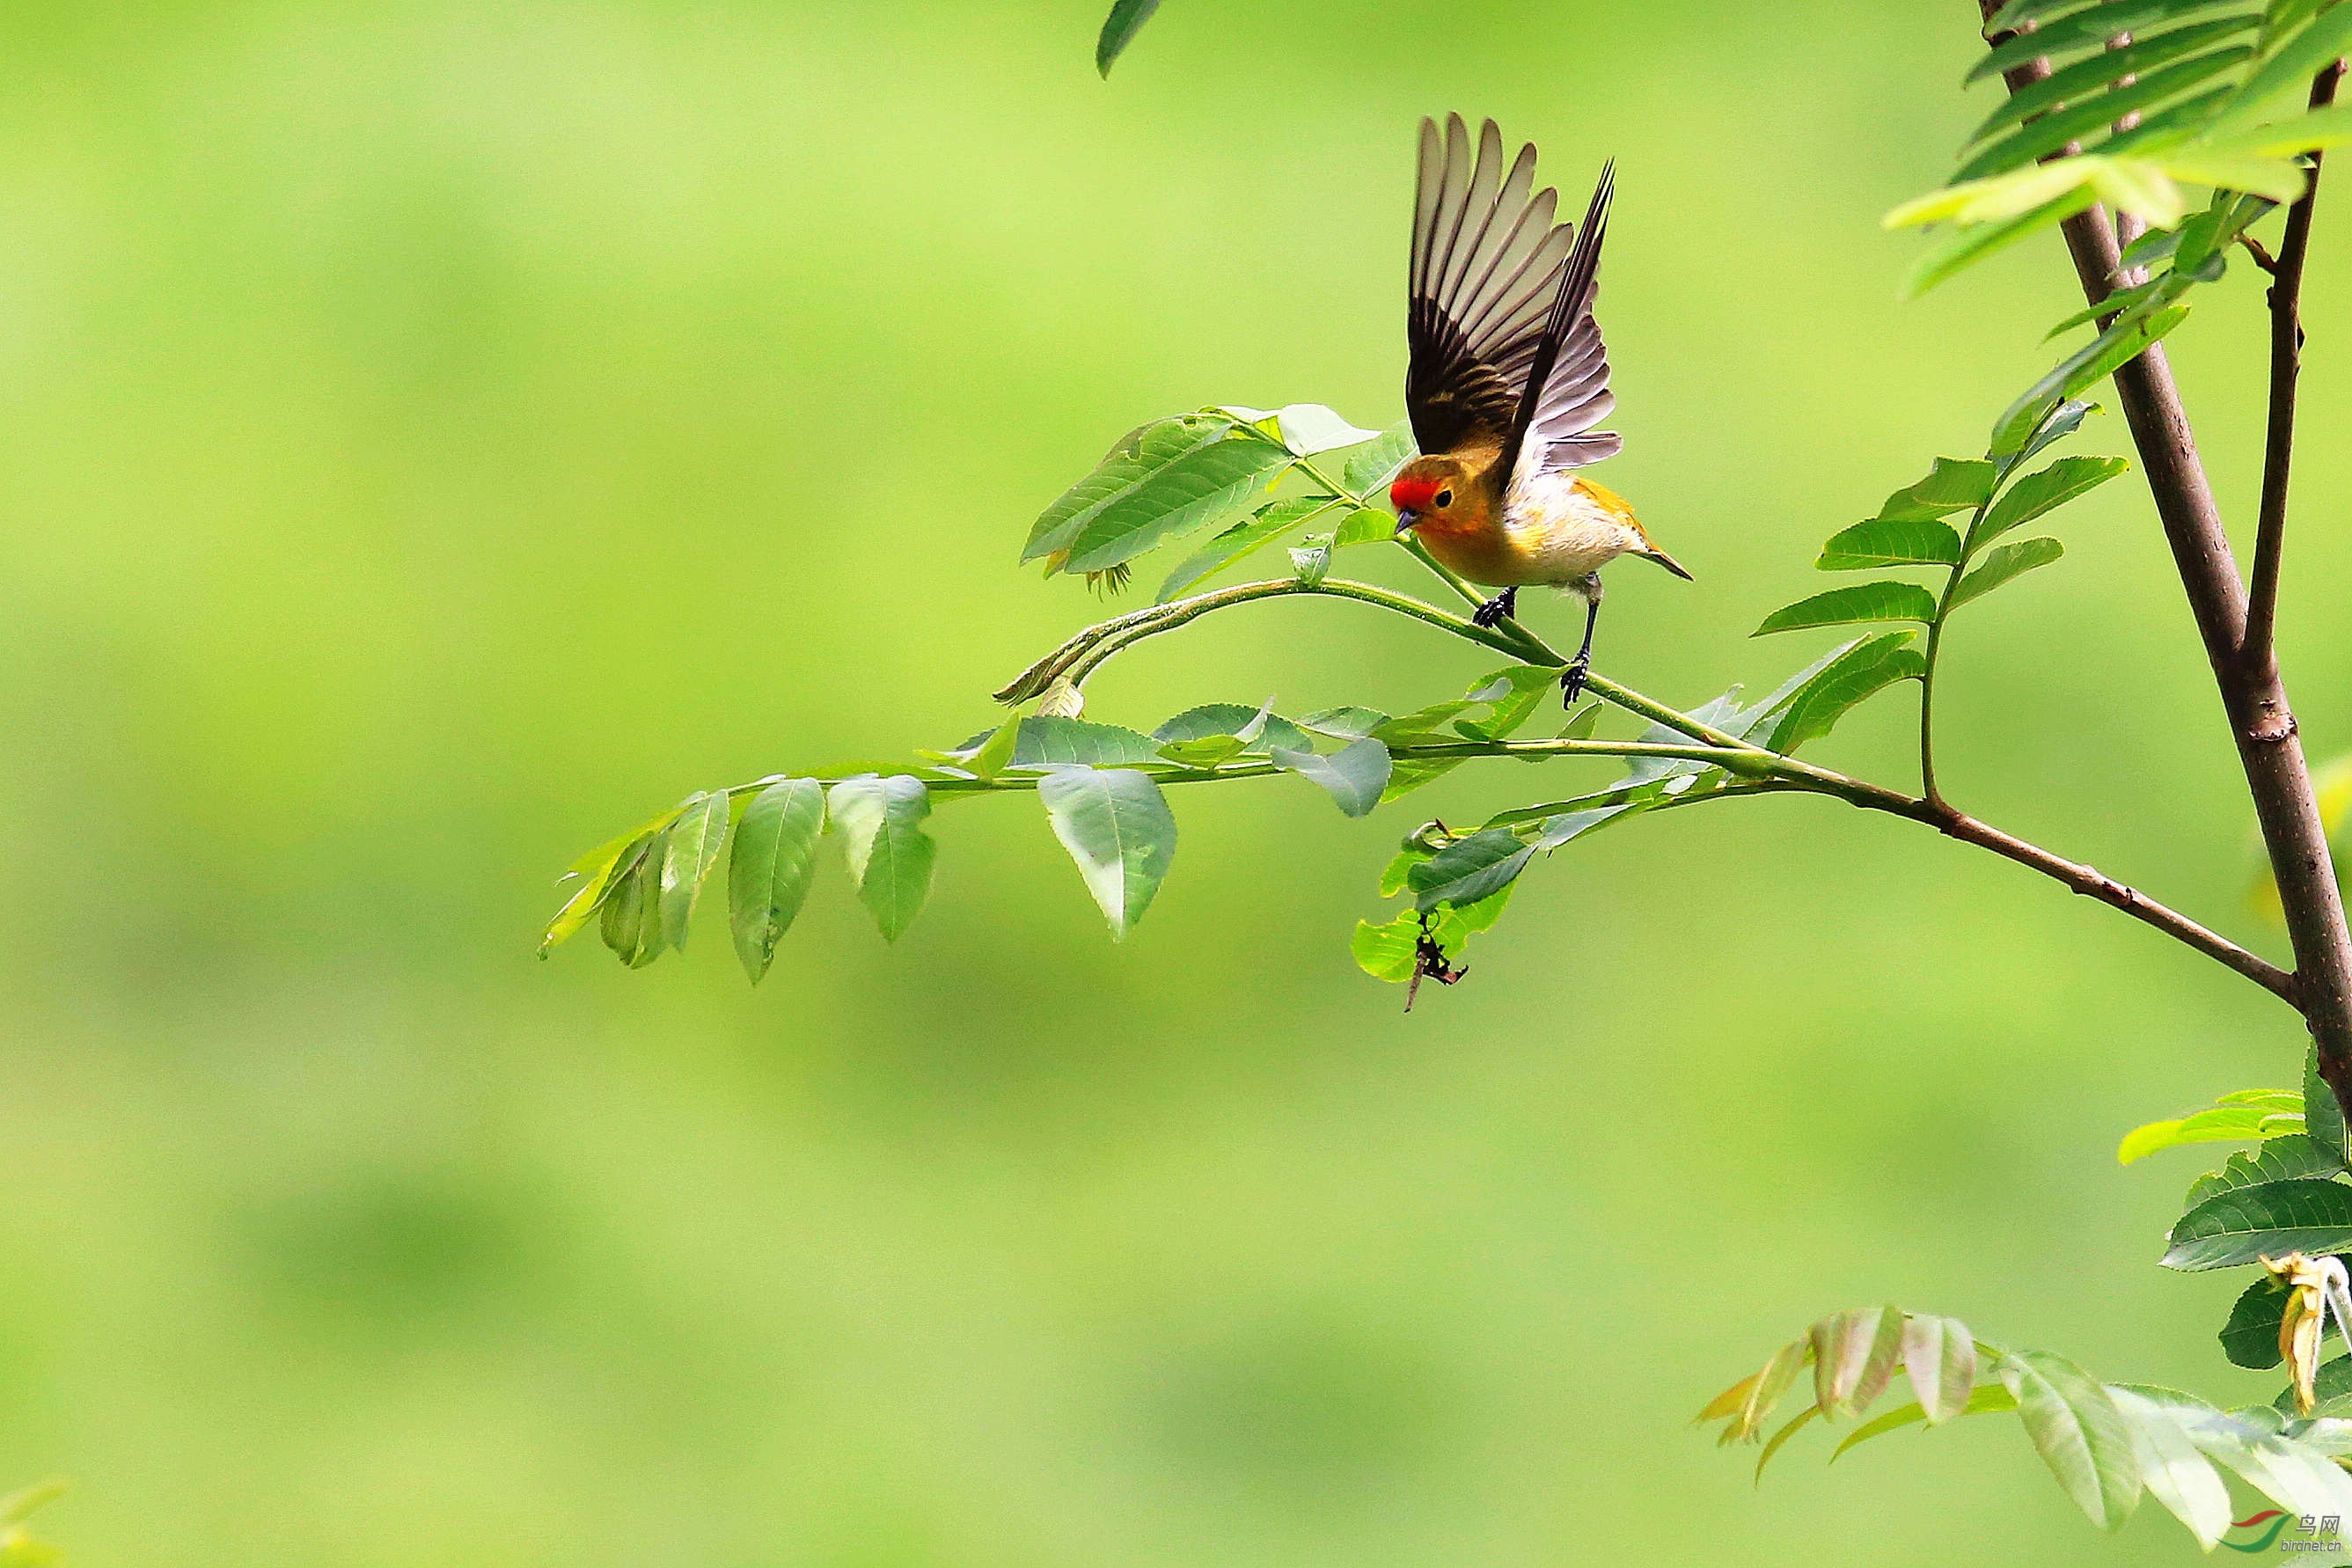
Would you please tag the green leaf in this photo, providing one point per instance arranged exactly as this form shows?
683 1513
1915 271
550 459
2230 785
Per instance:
1353 776
2122 300
1758 724
2274 179
2096 113
695 842
2002 563
598 875
1164 479
1511 696
1343 723
2334 1383
2089 28
1046 740
1215 720
1581 723
890 856
1385 951
632 924
1214 750
1953 484
2146 251
2061 422
2315 131
2078 1432
1566 827
769 875
1365 526
2142 188
2221 1124
2291 66
1126 19
1985 1399
1262 527
1881 601
1787 1431
2126 339
1964 248
1407 774
2250 1338
1372 465
2016 13
2172 1469
1310 427
1133 457
2171 125
2071 83
995 753
2253 1443
2213 230
2323 1115
1882 542
2268 1219
1855 1356
1770 1383
1998 198
1859 673
1469 869
1406 729
1117 825
1311 562
1940 1355
1400 865
2045 491
2281 1158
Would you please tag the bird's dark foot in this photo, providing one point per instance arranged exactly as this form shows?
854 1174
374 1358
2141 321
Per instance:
1500 607
1571 685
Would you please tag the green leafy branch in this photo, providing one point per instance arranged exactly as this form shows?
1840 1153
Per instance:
1910 530
1102 785
2106 1443
2122 102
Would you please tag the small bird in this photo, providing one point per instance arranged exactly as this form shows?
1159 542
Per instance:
1506 379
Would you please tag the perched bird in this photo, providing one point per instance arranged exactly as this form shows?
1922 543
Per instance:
1506 380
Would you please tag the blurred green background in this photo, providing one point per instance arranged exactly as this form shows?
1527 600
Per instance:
434 437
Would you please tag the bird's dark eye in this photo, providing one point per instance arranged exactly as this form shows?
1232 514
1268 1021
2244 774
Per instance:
1445 498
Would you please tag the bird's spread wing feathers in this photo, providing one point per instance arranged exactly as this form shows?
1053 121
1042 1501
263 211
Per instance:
1504 350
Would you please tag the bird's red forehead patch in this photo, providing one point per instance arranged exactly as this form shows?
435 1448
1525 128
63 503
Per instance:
1412 495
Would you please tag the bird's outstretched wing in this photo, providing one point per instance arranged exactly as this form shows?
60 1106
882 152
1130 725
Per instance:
1504 350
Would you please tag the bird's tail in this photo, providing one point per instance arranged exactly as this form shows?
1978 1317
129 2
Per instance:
1654 553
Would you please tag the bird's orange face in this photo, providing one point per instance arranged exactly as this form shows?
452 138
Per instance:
1433 492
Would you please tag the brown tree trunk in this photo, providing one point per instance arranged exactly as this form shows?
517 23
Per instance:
2245 668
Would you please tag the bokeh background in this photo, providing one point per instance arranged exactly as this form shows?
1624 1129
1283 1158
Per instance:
435 436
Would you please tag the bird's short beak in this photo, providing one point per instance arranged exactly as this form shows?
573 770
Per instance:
1405 519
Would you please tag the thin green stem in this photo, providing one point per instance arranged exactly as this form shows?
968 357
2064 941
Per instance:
1184 611
1927 789
1535 650
955 783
